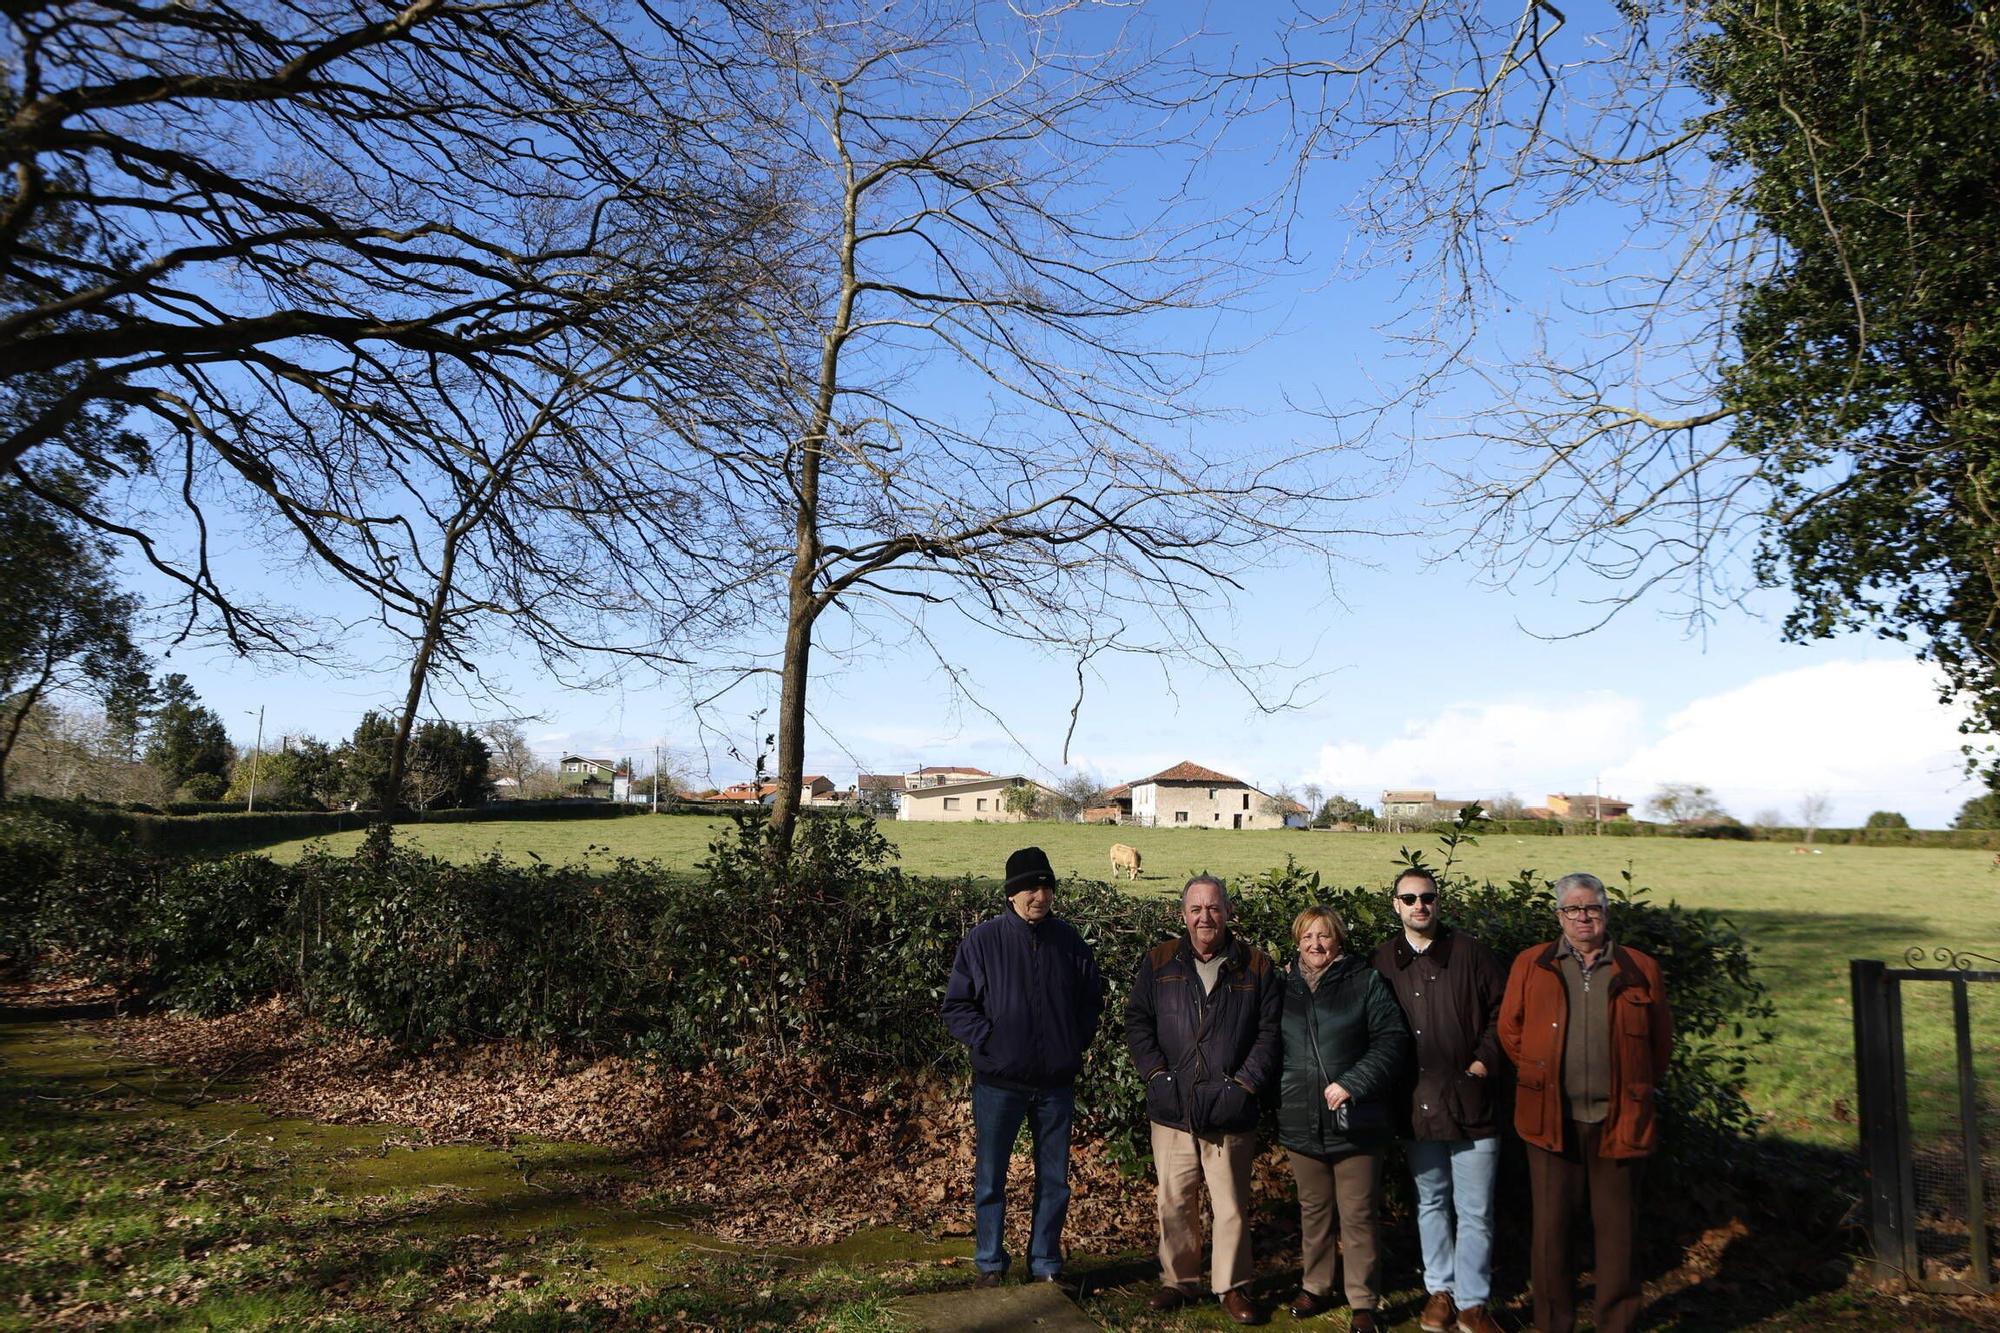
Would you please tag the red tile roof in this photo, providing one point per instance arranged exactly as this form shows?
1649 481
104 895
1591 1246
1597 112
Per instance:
1186 771
955 768
1121 792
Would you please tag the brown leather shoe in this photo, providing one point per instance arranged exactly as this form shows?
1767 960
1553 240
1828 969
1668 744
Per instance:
1306 1305
1239 1307
1474 1319
989 1278
1169 1298
1364 1322
1439 1312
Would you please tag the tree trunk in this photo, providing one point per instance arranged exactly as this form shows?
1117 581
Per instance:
792 708
420 670
803 603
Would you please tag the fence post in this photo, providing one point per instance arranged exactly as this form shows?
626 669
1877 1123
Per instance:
1874 1066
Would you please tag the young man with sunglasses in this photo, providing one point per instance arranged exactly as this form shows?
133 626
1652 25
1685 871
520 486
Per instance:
1450 986
1586 1023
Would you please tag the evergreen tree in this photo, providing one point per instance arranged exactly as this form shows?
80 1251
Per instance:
364 761
187 742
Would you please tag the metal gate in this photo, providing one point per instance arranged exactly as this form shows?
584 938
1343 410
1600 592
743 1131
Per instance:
1927 1071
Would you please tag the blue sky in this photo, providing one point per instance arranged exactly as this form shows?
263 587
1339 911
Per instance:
1411 670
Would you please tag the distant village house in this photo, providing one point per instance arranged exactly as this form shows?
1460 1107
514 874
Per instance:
1587 807
965 802
578 775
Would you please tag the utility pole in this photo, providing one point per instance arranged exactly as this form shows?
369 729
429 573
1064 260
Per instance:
656 779
1597 804
256 755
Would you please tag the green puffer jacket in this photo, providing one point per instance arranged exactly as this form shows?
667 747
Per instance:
1350 1031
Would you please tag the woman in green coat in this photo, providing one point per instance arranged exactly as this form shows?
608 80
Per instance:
1345 1045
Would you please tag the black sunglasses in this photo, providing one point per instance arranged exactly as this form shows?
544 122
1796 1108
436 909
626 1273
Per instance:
1425 898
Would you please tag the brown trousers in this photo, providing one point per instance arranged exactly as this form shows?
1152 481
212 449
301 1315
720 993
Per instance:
1351 1182
1562 1185
1185 1162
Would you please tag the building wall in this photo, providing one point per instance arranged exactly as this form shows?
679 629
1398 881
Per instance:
938 805
1162 804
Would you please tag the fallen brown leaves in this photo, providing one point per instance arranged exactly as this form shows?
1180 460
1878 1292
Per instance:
782 1151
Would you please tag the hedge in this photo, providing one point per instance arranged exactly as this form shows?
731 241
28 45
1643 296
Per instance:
844 959
222 831
1971 839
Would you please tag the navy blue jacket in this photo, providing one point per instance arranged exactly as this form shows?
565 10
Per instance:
1025 999
1206 1059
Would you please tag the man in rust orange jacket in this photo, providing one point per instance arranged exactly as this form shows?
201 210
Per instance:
1586 1023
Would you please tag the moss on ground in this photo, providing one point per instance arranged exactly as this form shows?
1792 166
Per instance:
134 1197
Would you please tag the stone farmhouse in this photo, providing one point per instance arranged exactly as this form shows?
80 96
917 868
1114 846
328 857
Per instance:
1190 796
1419 806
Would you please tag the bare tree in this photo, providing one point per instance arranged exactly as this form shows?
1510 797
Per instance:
991 419
378 281
1281 801
1814 807
1686 803
1487 126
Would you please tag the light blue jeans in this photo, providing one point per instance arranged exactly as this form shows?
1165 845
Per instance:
1456 1177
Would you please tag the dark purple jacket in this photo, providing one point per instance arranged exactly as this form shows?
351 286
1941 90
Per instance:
1206 1059
1025 999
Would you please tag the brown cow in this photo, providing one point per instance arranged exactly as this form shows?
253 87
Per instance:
1125 859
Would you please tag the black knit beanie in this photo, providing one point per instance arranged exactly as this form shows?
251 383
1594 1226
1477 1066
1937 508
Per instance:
1027 869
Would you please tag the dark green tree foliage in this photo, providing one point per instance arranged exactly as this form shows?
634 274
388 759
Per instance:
1981 812
448 768
1867 374
187 741
1341 809
364 759
315 777
1886 819
64 625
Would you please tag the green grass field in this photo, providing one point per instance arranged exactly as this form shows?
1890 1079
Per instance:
1806 915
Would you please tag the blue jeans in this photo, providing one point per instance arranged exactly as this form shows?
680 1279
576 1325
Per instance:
997 1116
1456 1177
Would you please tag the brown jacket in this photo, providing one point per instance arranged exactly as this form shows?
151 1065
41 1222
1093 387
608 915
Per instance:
1450 995
1534 1019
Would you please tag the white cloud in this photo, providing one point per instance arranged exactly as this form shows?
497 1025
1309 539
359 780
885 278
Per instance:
1527 747
1870 734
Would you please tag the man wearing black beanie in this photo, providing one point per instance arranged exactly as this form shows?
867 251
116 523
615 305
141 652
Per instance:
1025 996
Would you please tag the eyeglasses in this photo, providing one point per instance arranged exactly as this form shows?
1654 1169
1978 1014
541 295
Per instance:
1408 899
1576 913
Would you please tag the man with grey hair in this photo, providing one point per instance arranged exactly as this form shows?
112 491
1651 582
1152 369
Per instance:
1586 1023
1203 1024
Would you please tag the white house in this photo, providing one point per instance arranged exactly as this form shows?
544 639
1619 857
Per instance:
1190 796
965 802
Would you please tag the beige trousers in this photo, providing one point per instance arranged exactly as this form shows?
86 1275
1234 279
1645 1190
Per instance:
1352 1183
1185 1162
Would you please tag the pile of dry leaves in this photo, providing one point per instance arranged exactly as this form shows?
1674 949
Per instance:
783 1151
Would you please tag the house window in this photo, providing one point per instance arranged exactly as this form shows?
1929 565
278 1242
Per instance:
982 803
1217 816
1180 816
1211 793
1246 800
951 803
